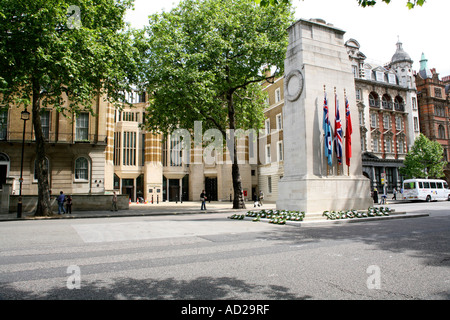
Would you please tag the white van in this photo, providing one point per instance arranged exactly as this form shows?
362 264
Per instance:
425 189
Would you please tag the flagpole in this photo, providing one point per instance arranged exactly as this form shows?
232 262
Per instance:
345 97
335 114
325 137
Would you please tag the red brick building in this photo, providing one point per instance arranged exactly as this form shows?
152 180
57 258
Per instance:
434 107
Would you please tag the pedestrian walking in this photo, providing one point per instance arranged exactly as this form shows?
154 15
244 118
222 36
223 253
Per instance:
61 198
69 204
203 198
260 198
114 202
394 191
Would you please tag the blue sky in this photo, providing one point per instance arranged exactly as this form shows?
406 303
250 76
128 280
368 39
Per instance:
422 29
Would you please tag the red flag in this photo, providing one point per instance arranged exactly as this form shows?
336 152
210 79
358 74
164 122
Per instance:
348 133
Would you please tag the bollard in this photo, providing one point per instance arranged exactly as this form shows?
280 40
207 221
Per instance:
19 207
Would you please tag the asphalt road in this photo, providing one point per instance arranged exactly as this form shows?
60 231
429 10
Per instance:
210 257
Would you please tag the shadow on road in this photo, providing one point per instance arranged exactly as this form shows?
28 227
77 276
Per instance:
203 288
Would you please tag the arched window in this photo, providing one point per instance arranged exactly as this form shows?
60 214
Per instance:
373 100
82 169
386 102
398 104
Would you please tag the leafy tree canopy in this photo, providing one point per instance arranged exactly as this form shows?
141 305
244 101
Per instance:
363 3
424 160
57 50
205 53
206 63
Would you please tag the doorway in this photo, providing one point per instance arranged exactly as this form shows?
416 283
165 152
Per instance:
211 188
174 189
128 188
4 168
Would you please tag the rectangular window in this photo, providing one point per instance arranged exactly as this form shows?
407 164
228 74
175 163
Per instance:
82 127
386 121
373 120
416 124
414 103
438 92
361 118
129 148
380 76
392 79
45 124
117 144
142 143
432 185
375 145
355 71
280 150
267 128
279 122
387 146
358 94
175 152
401 147
398 123
81 169
3 124
277 95
268 160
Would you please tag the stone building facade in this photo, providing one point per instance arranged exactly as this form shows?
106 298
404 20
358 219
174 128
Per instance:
75 150
387 114
161 168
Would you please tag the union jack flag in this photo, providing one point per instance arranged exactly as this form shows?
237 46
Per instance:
338 133
348 133
327 131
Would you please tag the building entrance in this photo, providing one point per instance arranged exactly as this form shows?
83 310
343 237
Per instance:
211 188
128 188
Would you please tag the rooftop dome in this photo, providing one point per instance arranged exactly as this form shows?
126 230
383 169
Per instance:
400 55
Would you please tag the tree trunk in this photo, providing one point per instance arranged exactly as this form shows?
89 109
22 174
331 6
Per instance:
238 200
43 206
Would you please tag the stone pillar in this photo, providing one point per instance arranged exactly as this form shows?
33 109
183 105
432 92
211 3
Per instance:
316 57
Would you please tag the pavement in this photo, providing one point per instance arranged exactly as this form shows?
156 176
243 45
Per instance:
193 207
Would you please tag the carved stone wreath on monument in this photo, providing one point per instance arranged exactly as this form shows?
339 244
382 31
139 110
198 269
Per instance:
294 85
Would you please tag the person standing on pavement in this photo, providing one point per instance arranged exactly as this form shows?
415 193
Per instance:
394 191
69 204
375 196
203 198
61 198
114 202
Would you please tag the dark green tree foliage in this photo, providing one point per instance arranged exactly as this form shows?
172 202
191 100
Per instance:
424 160
205 64
49 54
363 3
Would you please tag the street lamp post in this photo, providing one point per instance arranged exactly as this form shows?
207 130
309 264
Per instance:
24 115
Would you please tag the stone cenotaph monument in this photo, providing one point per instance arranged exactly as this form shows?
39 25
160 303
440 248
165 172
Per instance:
317 64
